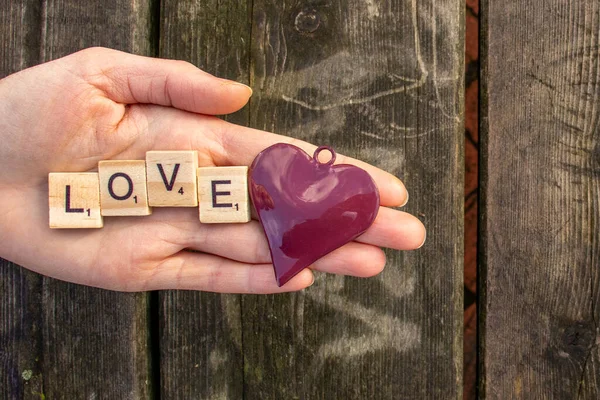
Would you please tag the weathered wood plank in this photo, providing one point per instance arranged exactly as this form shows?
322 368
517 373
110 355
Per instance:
20 290
20 333
541 181
95 341
200 333
381 81
19 35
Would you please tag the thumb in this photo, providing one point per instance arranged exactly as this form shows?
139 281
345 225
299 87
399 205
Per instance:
130 79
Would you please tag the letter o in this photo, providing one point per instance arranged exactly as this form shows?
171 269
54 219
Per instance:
110 186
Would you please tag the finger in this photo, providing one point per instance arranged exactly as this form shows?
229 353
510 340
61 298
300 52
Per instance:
229 144
353 259
240 242
396 230
240 145
247 243
127 78
197 271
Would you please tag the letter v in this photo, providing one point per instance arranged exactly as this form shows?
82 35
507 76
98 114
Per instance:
169 185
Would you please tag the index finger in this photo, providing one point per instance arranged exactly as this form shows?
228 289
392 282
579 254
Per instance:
132 79
240 145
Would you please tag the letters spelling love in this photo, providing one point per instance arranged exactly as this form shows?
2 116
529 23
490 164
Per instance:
133 187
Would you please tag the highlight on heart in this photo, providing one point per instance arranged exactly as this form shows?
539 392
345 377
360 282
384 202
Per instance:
307 208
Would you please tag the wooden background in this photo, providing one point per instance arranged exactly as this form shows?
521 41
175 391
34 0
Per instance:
378 80
540 175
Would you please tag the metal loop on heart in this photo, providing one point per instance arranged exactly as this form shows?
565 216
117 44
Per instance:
319 150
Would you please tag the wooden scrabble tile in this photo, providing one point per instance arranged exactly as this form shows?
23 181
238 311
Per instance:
171 177
223 194
123 188
74 200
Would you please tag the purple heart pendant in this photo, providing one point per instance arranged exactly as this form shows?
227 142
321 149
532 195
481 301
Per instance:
308 208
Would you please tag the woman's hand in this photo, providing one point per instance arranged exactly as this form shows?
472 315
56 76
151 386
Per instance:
97 104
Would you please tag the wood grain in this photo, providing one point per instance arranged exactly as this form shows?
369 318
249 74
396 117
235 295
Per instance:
383 82
200 333
21 370
95 341
541 211
20 289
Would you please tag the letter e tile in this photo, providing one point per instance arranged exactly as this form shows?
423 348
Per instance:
223 195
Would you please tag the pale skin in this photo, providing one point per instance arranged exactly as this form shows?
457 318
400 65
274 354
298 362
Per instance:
100 104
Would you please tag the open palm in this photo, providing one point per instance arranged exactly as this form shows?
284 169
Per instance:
97 104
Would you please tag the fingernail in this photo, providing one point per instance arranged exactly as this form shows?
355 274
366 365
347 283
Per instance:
234 83
405 200
399 190
313 280
424 239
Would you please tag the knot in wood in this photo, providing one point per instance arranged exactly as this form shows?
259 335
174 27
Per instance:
577 339
307 21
